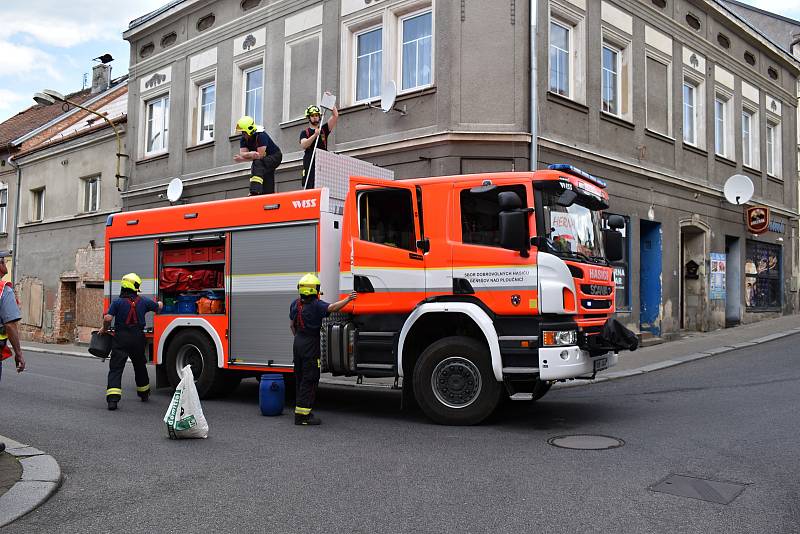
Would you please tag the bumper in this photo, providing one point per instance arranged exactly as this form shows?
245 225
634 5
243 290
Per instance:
556 363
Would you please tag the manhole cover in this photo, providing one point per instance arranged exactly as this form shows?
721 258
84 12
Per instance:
586 442
699 488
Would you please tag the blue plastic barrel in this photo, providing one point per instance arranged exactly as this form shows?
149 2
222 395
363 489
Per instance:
272 394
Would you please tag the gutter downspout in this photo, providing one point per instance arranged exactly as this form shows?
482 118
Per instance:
534 156
16 220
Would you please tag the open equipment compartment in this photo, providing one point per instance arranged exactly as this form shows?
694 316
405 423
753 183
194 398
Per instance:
191 274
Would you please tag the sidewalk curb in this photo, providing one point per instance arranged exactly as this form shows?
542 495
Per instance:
41 477
48 350
677 360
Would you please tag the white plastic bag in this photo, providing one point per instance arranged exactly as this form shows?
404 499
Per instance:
184 417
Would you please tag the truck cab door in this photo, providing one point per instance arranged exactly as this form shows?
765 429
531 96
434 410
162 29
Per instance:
387 264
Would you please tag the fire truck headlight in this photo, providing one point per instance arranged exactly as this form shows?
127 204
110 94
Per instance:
559 338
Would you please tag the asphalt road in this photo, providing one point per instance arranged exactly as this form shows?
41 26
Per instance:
371 468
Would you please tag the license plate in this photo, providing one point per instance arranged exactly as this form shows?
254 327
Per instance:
600 364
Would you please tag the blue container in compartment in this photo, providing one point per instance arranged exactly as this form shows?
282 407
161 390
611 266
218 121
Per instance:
272 394
187 303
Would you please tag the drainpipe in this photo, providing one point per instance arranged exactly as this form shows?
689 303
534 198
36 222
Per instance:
534 100
16 220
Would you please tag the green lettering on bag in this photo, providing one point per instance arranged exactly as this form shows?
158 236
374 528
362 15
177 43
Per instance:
186 423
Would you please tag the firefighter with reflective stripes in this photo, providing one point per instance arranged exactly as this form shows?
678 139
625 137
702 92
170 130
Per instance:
128 313
257 146
306 314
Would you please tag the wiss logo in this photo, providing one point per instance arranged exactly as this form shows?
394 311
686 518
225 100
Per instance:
599 274
309 203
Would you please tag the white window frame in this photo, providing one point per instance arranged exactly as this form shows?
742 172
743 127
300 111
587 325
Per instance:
165 99
354 60
245 63
389 18
400 57
201 113
260 105
287 70
621 44
772 145
197 82
689 113
664 60
86 194
568 91
698 83
615 71
726 99
752 143
37 204
3 208
570 17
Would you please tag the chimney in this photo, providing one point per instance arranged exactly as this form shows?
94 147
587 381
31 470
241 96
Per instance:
101 78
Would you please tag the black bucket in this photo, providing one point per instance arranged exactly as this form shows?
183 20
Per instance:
100 345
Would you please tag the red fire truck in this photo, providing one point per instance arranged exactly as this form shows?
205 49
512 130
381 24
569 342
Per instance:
469 287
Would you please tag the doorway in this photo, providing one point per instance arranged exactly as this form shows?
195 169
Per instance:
694 290
650 277
733 281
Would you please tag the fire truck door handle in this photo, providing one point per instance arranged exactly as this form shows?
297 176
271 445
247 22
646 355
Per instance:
361 284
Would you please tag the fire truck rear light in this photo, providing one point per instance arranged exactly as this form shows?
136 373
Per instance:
524 344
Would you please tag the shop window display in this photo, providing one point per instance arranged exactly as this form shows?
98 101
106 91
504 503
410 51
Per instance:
762 270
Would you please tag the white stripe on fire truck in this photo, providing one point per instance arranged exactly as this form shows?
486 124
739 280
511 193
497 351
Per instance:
497 278
265 283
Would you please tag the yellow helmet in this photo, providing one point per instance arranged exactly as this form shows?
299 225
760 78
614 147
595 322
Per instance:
131 281
247 125
312 110
308 285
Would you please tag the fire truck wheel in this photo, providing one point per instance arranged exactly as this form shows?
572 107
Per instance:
454 383
194 348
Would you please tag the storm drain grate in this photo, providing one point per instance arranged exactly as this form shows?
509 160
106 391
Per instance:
586 442
699 488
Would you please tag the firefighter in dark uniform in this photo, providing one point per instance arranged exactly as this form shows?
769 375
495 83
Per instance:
306 314
257 146
315 136
128 313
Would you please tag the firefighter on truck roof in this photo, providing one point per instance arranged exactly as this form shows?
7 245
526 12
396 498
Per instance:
257 146
128 313
306 314
315 136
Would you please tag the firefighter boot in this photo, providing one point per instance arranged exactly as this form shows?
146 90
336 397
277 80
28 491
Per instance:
112 404
307 420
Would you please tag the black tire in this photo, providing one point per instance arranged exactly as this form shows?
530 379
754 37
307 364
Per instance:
193 347
454 383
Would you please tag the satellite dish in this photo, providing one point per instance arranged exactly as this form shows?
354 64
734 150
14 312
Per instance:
738 189
174 190
388 96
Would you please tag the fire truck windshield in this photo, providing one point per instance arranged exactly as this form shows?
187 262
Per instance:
572 230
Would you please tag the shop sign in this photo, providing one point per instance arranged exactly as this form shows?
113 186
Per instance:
778 226
757 219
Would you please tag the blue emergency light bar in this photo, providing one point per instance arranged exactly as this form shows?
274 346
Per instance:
574 171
